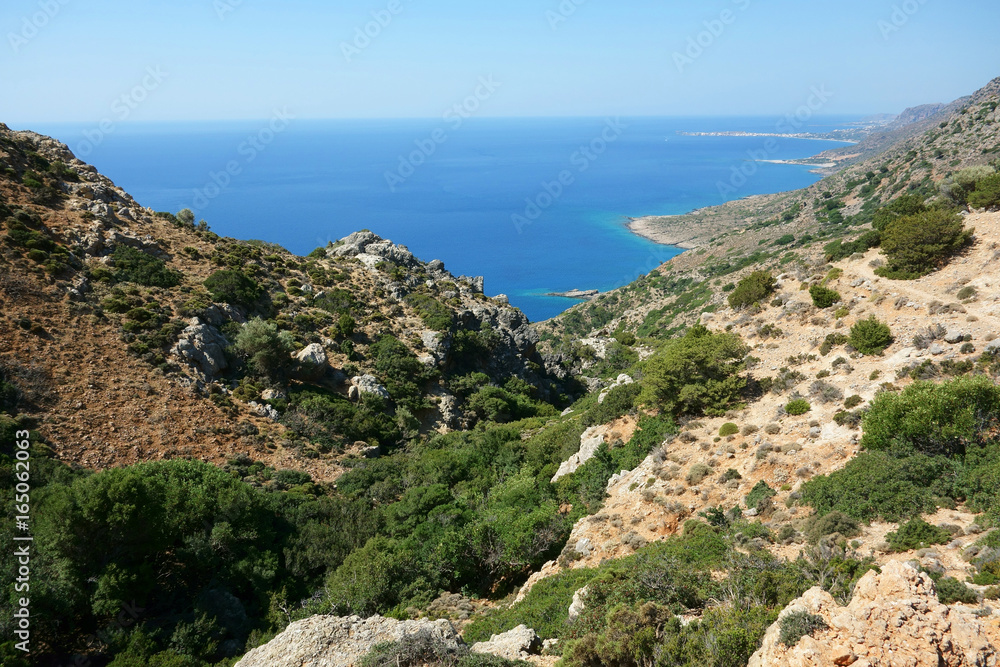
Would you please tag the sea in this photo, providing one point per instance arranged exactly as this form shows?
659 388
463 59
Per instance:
534 205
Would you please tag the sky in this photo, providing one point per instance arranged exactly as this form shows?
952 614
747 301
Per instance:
190 60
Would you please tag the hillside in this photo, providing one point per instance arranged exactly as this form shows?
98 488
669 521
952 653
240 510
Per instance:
125 370
243 456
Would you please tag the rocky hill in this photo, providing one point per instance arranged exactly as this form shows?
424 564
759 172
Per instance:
778 448
123 337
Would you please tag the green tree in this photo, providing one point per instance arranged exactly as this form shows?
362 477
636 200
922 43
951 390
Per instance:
916 245
266 351
755 288
696 374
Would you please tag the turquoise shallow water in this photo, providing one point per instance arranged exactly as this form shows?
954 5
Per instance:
534 205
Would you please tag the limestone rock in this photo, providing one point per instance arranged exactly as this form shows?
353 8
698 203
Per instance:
516 644
894 618
312 355
589 442
579 604
332 641
203 346
367 384
622 380
954 337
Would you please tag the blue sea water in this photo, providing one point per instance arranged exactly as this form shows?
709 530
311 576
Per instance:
534 205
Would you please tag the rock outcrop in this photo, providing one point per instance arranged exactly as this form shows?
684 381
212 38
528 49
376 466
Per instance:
517 644
203 346
894 619
333 641
590 441
367 384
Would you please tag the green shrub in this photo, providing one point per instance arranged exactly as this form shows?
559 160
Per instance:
755 288
917 534
833 522
823 297
797 624
729 428
917 245
759 492
853 402
876 485
135 266
870 336
434 314
233 287
798 407
730 475
933 419
697 374
966 292
266 351
544 609
987 193
950 591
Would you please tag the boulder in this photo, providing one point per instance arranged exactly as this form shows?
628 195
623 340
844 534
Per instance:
894 618
332 641
202 346
954 337
517 644
312 355
367 384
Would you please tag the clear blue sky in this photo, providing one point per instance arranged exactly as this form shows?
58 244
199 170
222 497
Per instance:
605 58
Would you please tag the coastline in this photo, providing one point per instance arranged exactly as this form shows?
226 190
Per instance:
648 228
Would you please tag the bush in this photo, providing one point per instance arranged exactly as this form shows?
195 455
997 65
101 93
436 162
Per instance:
853 402
435 315
917 534
697 374
951 590
987 193
966 292
233 287
755 288
266 351
833 522
870 336
797 624
729 429
823 297
759 492
135 266
917 245
933 419
698 473
798 407
876 485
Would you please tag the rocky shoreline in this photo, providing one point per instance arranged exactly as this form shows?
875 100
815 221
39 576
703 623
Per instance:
653 228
